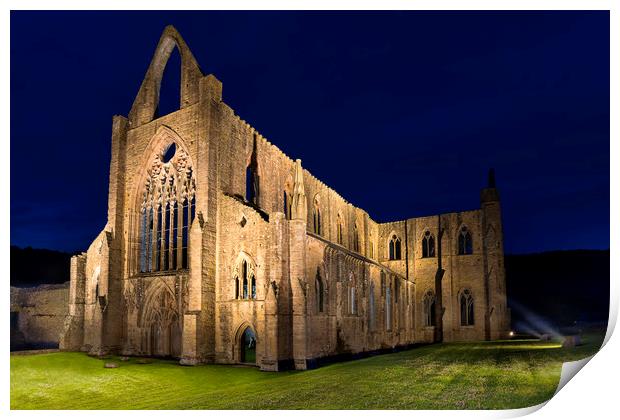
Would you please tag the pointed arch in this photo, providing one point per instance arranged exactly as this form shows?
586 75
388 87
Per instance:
466 306
316 215
464 241
160 321
160 292
394 246
356 238
147 99
320 291
244 344
428 302
164 205
244 277
155 149
428 244
340 229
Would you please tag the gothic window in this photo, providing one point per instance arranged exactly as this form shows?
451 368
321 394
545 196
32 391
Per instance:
466 302
356 239
316 216
428 245
465 242
394 251
167 211
352 300
245 280
320 291
429 309
339 230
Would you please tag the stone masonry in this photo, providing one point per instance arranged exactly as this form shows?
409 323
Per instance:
221 249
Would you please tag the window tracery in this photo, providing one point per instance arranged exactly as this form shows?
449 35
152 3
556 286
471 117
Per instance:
466 302
429 309
394 248
167 210
465 242
428 245
245 280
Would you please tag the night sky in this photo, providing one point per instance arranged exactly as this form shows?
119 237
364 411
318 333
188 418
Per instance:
402 113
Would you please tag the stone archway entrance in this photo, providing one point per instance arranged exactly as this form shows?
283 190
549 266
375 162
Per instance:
247 346
165 338
162 322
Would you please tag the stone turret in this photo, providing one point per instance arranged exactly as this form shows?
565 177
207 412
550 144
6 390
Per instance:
490 193
299 207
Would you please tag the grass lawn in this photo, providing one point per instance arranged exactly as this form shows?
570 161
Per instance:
501 374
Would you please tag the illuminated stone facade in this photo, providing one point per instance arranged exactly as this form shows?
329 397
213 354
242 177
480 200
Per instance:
220 249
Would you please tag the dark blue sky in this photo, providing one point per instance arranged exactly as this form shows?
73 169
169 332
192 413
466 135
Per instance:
401 112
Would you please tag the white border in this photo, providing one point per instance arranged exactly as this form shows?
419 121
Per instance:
593 394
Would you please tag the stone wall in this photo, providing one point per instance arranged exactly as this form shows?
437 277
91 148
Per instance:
38 315
256 256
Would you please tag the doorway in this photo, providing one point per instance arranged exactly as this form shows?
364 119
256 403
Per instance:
248 346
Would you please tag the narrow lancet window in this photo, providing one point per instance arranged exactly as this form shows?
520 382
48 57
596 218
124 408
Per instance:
428 245
244 280
316 216
466 302
394 248
356 239
319 292
465 242
429 309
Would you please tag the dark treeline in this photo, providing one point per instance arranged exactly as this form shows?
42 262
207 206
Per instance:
31 267
560 286
563 287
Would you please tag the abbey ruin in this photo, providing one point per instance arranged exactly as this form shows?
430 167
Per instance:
219 248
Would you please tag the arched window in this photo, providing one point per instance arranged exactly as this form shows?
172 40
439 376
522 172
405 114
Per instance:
320 291
466 301
428 245
356 239
339 230
429 309
465 242
316 217
394 248
245 280
168 202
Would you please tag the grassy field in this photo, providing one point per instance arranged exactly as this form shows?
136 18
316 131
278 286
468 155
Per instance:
505 374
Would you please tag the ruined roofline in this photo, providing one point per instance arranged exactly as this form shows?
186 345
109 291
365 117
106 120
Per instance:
357 256
147 99
308 174
430 215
